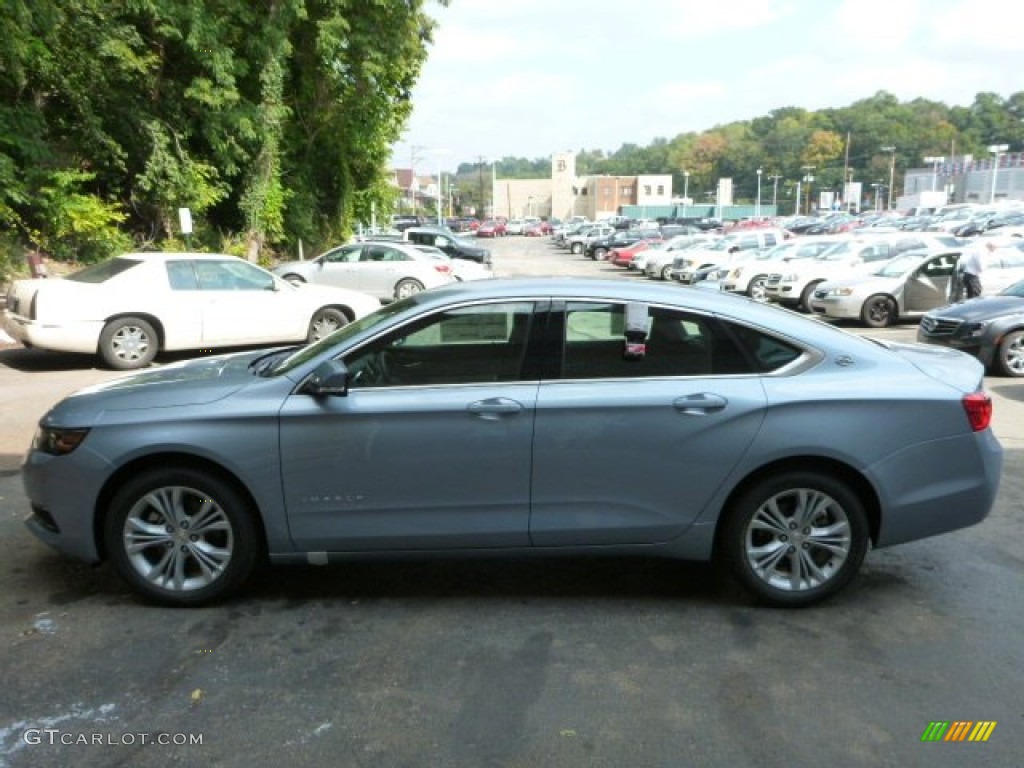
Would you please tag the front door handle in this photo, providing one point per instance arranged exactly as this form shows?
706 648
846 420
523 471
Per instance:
700 404
495 408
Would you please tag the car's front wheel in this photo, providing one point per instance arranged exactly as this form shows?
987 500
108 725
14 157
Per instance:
600 254
325 322
757 290
1010 355
878 311
795 538
181 536
577 248
127 343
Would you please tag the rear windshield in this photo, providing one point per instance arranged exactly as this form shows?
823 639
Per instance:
100 273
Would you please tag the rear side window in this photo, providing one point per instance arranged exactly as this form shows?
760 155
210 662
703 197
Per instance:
678 344
100 273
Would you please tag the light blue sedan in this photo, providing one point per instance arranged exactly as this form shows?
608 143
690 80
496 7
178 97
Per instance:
489 418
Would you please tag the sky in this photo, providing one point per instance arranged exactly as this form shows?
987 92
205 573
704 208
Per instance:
527 78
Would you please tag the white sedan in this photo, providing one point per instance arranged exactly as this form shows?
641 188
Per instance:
135 305
906 286
385 269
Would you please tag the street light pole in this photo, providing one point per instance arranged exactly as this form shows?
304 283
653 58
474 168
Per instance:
686 192
995 149
809 179
892 171
775 192
757 208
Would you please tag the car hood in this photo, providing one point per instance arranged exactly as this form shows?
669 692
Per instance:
981 309
191 382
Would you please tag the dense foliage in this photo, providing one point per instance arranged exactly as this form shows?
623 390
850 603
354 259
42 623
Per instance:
783 142
272 121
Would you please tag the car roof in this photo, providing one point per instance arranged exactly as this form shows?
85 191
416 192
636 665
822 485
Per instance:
162 256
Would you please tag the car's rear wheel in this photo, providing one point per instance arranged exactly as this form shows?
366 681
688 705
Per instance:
181 536
407 287
325 322
127 343
577 248
795 538
600 254
1010 355
878 311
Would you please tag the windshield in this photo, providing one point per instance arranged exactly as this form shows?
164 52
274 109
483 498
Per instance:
304 354
1017 289
897 267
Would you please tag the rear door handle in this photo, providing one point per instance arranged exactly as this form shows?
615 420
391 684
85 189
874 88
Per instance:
700 404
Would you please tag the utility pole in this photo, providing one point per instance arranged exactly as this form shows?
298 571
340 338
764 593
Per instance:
480 165
775 192
414 156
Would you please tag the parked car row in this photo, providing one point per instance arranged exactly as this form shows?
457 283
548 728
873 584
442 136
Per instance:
874 278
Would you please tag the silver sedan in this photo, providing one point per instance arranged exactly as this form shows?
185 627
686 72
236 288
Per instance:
387 270
489 418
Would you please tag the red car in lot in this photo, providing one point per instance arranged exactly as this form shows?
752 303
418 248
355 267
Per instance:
535 229
623 257
491 228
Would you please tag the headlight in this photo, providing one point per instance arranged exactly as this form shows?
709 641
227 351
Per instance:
792 277
841 292
974 330
58 442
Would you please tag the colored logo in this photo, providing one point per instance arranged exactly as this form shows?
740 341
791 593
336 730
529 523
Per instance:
958 730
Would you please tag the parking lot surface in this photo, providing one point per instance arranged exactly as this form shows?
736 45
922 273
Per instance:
509 662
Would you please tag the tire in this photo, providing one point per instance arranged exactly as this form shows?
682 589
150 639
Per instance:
756 289
666 272
325 322
1010 355
295 279
577 248
181 536
805 297
127 343
795 538
407 287
879 311
600 254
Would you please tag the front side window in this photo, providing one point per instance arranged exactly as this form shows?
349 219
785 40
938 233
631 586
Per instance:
348 253
469 345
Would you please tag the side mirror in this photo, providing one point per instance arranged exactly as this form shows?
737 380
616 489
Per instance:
328 378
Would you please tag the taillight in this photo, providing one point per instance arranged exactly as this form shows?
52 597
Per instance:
978 407
444 269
